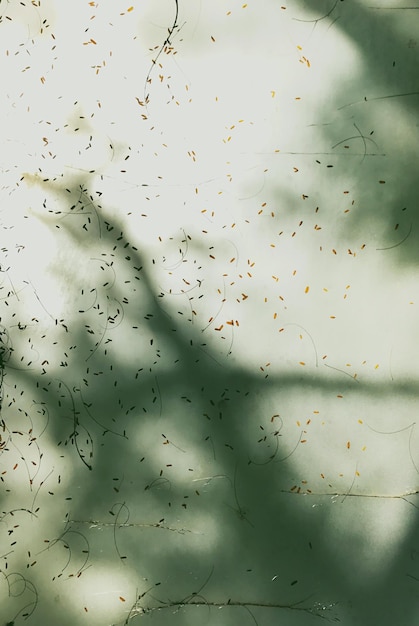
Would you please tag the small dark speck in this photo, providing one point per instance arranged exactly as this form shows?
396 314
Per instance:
294 582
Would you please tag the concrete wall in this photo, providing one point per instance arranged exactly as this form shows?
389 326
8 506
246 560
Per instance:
209 292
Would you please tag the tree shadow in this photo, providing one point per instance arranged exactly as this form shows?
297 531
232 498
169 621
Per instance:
194 478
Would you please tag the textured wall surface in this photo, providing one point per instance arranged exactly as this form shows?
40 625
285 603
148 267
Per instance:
208 305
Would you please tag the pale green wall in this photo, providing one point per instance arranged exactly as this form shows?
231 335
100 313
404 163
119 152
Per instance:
209 308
